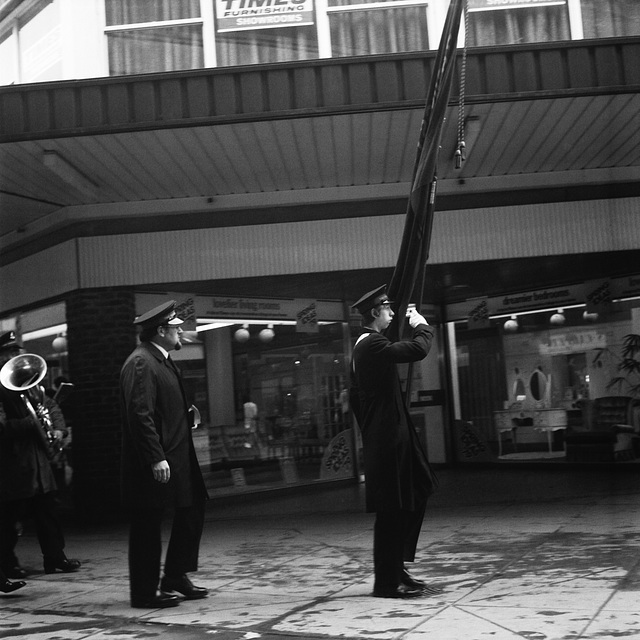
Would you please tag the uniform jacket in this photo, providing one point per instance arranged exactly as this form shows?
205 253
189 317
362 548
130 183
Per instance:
25 470
395 461
156 427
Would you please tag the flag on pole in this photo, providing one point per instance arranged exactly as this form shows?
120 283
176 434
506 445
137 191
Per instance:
407 281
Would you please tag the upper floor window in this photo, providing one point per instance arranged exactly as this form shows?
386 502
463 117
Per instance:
362 27
609 18
496 23
258 31
147 36
154 36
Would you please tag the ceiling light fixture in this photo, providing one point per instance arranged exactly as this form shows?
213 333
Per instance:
65 170
511 325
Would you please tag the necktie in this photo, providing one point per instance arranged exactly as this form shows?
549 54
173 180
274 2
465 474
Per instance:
172 364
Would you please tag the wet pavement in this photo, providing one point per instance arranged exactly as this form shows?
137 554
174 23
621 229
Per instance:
520 552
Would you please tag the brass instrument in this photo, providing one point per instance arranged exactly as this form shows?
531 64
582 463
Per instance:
23 374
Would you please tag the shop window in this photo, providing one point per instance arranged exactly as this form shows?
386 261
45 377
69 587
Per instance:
609 18
153 36
359 28
291 410
525 386
266 45
518 26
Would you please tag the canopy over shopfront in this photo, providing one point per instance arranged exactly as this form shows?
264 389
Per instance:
326 140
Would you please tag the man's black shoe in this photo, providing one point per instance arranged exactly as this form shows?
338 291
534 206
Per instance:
409 581
65 565
159 601
184 586
6 586
14 572
427 589
401 591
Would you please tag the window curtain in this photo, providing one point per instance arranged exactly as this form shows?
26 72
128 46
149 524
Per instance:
136 11
256 46
153 49
517 26
610 18
378 31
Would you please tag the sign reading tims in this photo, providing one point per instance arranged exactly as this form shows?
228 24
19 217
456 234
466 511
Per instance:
240 15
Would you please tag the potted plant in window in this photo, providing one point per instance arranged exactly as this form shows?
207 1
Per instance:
629 367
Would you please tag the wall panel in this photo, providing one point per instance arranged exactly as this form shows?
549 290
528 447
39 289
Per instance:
318 246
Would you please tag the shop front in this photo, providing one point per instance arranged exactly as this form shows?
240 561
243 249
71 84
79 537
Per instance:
544 376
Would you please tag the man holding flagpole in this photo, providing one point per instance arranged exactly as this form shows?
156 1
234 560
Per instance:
397 474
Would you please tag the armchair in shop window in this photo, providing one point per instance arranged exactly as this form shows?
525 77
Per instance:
610 431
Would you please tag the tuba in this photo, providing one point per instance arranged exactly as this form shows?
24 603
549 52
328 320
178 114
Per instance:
23 374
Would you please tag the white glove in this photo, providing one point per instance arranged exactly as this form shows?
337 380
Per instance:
415 319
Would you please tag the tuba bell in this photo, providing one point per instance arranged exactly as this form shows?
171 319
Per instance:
23 374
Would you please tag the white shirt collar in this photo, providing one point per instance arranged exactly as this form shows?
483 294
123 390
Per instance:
162 350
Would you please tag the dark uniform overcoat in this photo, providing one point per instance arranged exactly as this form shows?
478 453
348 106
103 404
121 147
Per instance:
395 462
156 427
25 470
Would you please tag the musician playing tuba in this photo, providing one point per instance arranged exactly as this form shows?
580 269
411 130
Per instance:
27 483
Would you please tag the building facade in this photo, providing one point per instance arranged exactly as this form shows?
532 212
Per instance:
258 174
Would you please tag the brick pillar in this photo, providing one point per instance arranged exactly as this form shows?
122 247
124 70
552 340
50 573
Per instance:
100 336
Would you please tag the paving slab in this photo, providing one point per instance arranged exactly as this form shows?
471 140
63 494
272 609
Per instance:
563 563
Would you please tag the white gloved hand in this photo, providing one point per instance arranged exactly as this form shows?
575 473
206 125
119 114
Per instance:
415 319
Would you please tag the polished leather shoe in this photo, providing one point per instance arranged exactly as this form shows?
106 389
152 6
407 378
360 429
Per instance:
409 581
158 601
401 591
184 586
65 565
14 572
6 586
413 583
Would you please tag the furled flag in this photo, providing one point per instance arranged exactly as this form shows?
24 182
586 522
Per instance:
407 281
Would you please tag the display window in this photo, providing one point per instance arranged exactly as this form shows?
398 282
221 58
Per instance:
269 380
555 383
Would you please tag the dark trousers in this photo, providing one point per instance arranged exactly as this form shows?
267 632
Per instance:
42 508
145 547
395 539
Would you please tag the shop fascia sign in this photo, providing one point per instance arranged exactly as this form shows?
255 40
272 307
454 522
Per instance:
492 5
242 15
597 295
299 310
562 342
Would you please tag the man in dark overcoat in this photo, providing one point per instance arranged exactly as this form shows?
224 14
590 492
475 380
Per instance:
397 474
27 482
159 466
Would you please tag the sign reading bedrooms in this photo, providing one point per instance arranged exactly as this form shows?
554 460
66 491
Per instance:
240 15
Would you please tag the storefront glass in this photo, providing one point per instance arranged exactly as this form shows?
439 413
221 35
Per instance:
269 379
548 384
